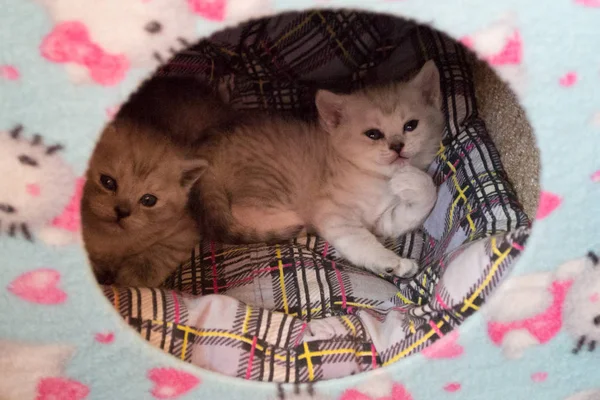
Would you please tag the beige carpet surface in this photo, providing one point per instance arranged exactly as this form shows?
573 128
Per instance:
509 128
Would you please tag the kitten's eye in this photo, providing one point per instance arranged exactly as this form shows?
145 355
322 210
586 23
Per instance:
411 125
25 159
148 200
108 183
374 134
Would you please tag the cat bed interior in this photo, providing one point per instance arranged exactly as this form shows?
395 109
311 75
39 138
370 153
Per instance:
297 312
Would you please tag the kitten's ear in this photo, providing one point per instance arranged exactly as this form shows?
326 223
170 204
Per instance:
428 81
330 107
192 171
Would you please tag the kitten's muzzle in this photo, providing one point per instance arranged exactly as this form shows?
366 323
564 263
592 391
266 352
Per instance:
397 147
122 211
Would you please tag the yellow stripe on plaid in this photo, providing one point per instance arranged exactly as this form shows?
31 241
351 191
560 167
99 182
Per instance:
501 256
281 279
461 193
268 351
308 355
246 319
333 36
404 299
116 301
413 346
350 303
349 324
296 29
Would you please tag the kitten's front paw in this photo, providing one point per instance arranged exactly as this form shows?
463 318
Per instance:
413 186
402 267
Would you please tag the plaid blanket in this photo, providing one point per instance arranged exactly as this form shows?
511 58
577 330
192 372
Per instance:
297 312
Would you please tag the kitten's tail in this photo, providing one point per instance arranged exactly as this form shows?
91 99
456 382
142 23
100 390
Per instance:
211 206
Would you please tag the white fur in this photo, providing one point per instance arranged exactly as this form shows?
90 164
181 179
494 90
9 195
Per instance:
390 211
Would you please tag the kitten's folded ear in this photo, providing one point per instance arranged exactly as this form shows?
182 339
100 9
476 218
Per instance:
192 170
330 107
428 81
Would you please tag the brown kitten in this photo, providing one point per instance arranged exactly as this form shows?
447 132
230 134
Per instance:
356 174
179 108
136 224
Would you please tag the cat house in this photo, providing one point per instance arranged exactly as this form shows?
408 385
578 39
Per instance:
506 303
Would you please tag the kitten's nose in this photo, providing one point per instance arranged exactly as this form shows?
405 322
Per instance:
122 212
397 147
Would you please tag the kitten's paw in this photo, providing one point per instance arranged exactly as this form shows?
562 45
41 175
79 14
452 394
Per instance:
413 186
402 267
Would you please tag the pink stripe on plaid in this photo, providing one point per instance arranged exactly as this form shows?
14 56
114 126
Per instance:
338 275
325 249
438 298
435 328
300 334
176 307
213 259
373 356
249 369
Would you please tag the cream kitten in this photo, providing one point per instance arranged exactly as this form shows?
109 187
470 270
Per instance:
355 175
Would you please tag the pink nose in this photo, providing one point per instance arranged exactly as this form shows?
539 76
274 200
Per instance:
33 189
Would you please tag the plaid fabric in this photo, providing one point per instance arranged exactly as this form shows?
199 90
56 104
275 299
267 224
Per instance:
297 312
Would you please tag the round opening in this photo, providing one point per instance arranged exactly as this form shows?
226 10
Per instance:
297 310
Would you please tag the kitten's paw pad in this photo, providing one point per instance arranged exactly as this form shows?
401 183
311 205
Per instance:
402 267
413 186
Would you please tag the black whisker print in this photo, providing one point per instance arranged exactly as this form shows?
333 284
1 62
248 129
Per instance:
580 344
592 345
26 232
7 208
53 149
158 57
12 230
183 41
16 131
37 139
25 159
172 51
592 256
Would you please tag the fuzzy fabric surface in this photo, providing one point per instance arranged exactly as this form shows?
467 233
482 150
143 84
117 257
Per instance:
66 65
511 132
